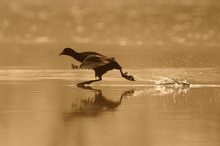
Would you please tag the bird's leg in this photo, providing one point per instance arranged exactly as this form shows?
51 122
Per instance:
87 82
126 76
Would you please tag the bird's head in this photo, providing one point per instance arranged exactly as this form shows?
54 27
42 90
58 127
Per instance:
67 51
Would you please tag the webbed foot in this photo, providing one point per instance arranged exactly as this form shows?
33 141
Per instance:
129 77
81 84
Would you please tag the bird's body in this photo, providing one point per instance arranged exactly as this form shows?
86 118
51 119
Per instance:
82 56
98 62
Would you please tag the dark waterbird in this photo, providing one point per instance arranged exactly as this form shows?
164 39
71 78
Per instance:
98 62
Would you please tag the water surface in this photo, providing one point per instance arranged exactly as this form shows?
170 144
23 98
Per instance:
43 107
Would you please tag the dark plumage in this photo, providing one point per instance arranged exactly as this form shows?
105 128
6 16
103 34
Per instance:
98 62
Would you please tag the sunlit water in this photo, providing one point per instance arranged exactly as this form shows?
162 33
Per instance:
43 107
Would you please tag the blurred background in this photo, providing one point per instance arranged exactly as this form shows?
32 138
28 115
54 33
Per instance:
139 33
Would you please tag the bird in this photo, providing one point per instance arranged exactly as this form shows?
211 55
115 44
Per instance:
98 62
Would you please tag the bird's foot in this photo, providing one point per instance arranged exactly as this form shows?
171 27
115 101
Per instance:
81 84
74 66
128 77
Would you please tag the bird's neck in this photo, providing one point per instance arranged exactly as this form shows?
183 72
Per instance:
76 56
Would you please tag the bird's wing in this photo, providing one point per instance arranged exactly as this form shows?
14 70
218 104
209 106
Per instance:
93 61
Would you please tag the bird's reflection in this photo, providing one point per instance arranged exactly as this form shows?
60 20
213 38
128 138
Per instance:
97 103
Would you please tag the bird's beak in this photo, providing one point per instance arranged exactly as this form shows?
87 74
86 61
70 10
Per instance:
61 53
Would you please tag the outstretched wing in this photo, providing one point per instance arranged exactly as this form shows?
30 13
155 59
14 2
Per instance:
94 61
